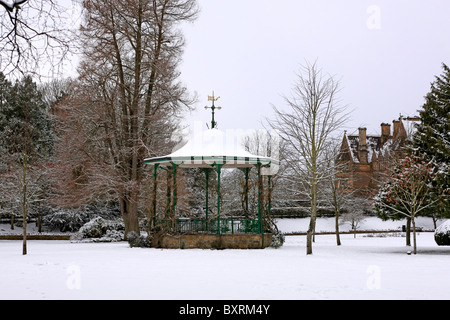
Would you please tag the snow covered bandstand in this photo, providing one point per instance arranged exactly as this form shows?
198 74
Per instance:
213 150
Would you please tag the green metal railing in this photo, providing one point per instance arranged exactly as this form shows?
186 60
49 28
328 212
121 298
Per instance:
211 226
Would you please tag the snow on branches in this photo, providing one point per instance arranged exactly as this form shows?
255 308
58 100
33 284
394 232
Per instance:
35 36
408 193
11 6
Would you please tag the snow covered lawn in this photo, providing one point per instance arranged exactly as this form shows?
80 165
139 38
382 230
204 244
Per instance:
369 223
362 268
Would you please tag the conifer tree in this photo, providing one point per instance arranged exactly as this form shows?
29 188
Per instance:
432 138
25 137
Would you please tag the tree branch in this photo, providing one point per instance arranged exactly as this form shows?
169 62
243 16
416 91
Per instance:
14 5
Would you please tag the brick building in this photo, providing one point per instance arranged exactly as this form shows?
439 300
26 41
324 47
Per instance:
365 158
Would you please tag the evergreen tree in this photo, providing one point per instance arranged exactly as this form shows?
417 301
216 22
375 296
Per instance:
5 89
25 139
432 138
406 192
24 123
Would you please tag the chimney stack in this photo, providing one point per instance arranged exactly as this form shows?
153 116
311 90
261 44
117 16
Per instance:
385 132
396 128
363 153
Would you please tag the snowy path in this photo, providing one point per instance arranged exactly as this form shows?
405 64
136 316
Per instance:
362 268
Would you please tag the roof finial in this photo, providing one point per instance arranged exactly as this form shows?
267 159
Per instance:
213 108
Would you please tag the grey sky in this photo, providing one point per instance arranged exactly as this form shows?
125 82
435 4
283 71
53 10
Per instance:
386 54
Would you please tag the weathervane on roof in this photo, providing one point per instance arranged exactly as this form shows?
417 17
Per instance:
213 108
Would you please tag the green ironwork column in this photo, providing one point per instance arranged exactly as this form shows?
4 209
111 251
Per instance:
260 204
247 173
269 195
207 170
207 193
174 188
168 192
219 169
155 187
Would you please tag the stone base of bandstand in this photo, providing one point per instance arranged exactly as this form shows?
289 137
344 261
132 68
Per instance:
215 241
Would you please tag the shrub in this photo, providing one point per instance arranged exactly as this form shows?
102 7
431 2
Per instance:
112 236
66 220
102 230
442 234
71 220
139 241
277 240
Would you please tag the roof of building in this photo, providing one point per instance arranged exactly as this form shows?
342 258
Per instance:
376 146
211 147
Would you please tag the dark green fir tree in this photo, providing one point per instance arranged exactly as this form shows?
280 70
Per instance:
432 138
26 140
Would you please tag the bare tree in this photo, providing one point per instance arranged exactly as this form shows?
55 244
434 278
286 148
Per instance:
335 190
35 35
355 208
128 99
262 143
313 115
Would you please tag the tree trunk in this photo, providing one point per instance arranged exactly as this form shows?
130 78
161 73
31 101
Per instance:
408 232
152 213
312 222
129 210
414 234
24 204
434 221
39 218
338 237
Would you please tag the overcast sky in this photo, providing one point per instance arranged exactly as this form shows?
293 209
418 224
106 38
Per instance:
386 54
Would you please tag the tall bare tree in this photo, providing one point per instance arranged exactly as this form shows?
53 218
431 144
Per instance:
128 99
307 125
35 35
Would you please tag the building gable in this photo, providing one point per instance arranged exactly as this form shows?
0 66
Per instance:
369 156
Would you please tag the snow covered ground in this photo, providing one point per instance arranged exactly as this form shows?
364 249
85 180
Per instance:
369 223
362 268
293 225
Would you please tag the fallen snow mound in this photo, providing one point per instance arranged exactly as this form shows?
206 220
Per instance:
442 234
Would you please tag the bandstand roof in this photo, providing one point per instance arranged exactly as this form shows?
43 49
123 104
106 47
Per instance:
212 147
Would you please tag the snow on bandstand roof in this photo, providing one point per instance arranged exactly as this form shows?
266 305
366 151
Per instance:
212 147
